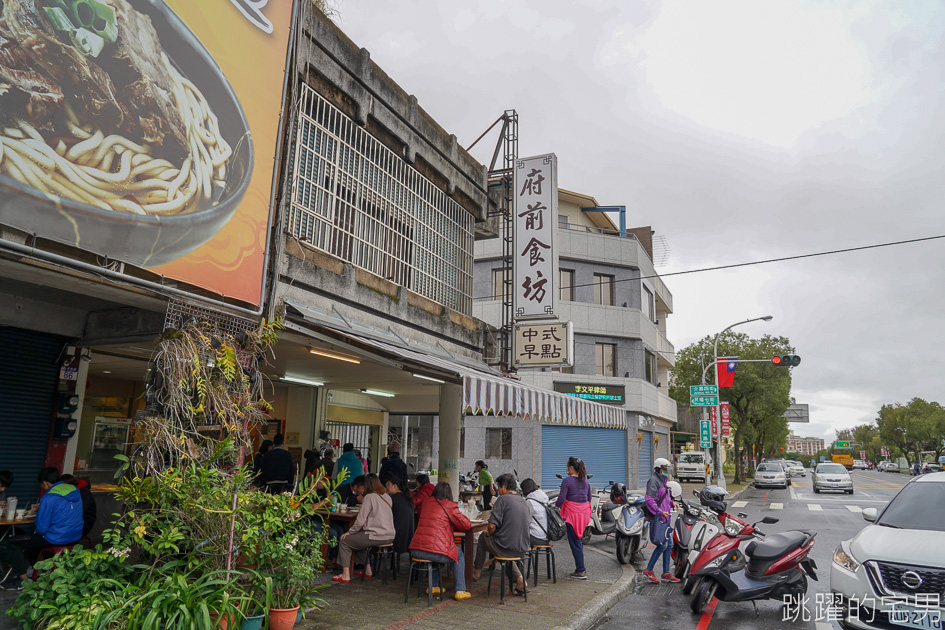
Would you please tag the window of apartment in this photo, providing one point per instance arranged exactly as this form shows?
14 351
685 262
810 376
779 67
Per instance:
498 443
603 289
648 306
566 281
606 359
649 366
498 283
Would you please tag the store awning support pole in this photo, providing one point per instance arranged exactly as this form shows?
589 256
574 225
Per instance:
451 422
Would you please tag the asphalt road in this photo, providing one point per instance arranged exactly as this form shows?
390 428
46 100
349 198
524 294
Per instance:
835 517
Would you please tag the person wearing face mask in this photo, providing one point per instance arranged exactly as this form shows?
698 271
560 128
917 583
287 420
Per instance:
659 502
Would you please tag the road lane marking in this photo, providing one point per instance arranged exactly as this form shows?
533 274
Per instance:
739 504
777 506
820 625
707 615
793 494
814 507
856 509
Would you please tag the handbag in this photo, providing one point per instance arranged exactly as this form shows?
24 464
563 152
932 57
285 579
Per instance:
556 527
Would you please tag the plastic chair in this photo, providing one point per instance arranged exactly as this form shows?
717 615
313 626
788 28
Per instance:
505 568
50 552
536 552
422 565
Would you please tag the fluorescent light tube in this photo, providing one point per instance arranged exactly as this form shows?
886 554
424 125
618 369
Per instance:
301 381
374 392
339 357
429 378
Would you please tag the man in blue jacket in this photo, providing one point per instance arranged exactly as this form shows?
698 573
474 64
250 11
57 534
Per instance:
58 523
349 467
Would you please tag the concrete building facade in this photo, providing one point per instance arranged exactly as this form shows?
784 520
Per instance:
619 307
804 445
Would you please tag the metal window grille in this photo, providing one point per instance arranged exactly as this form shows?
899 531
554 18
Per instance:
357 200
357 434
179 312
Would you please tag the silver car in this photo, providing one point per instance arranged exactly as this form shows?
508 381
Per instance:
771 474
796 469
892 573
832 477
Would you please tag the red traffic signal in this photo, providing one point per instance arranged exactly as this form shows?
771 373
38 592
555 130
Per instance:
787 360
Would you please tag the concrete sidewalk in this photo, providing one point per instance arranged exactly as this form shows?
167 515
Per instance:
572 604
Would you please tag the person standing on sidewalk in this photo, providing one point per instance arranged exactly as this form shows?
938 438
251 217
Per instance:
487 484
574 501
660 503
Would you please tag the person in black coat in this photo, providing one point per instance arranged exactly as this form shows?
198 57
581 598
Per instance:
404 513
394 464
257 462
277 470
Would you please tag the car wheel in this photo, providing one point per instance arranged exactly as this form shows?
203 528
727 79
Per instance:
849 491
816 490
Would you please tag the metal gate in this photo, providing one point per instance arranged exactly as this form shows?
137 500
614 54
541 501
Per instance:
604 452
28 379
645 463
357 434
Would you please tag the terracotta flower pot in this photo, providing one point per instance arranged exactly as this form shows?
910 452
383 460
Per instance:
222 621
283 618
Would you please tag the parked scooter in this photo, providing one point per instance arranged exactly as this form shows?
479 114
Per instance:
690 515
632 526
702 532
771 567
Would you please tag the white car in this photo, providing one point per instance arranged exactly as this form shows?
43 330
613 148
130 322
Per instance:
859 464
692 465
892 573
771 474
796 469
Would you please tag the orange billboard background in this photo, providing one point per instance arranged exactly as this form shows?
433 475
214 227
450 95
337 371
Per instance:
253 61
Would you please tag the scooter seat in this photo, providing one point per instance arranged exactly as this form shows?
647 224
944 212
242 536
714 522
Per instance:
609 505
775 545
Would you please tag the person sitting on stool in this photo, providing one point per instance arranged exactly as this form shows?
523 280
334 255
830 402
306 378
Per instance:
58 523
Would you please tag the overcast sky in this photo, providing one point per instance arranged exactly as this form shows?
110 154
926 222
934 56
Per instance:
740 131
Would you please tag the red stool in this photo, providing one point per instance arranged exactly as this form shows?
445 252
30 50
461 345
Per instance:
50 552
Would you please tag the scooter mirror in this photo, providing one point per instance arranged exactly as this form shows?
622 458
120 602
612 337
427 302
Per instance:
590 476
695 493
559 476
770 520
742 515
611 482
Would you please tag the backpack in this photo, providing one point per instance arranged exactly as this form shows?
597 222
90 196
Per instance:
646 510
556 529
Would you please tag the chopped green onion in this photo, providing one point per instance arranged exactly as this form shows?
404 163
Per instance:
105 23
88 42
59 19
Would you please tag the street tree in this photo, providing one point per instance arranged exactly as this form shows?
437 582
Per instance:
916 427
759 397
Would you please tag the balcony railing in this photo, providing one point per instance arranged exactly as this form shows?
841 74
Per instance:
593 229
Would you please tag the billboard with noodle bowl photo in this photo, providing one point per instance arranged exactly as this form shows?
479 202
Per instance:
145 131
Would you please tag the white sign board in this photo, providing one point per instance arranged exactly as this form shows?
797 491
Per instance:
543 344
535 212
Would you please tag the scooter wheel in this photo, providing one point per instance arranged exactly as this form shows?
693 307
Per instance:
703 594
682 560
586 538
689 584
624 550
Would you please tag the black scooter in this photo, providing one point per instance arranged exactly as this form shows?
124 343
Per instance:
689 515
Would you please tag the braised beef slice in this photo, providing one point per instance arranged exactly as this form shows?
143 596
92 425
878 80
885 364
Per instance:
25 93
143 81
89 89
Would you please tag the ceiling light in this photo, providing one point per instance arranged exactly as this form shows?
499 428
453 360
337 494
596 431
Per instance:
339 357
429 378
106 371
374 392
301 381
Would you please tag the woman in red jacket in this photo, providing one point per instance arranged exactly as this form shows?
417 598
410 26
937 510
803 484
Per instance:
423 492
439 518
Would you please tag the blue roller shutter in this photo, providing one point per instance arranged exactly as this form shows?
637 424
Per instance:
28 379
645 464
604 452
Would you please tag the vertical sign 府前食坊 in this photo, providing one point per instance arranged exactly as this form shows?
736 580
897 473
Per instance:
714 419
534 263
724 412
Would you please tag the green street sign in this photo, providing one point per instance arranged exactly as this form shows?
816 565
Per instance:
703 390
703 401
705 434
844 444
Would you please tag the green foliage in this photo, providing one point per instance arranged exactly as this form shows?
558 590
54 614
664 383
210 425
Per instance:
760 395
76 590
914 428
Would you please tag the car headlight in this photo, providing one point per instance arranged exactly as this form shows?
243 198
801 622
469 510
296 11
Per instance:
844 560
732 527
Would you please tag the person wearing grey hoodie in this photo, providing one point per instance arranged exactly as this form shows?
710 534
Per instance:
537 500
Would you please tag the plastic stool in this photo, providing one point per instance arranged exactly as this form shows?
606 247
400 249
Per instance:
385 555
505 566
420 565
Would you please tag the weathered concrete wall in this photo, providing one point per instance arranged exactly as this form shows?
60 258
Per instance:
343 73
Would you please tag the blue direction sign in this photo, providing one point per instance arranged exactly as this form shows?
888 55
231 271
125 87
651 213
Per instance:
703 401
703 390
705 434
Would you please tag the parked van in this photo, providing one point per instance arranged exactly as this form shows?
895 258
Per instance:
693 465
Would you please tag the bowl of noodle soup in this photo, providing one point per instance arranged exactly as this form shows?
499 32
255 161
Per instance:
117 196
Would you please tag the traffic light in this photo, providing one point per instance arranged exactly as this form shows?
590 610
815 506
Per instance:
787 360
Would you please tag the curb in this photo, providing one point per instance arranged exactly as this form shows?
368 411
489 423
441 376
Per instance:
587 615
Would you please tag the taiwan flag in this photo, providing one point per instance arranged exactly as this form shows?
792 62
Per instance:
725 371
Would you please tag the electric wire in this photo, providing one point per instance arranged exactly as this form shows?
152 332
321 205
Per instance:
755 262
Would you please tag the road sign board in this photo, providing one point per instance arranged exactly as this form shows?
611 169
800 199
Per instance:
844 444
714 419
705 437
862 454
703 401
822 458
703 390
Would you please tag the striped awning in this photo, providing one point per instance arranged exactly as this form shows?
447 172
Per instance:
506 397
